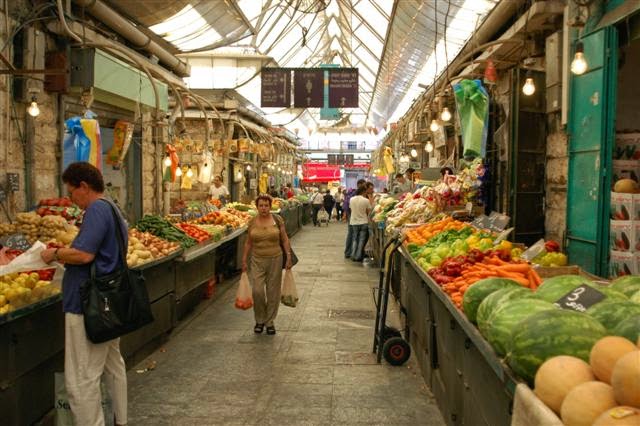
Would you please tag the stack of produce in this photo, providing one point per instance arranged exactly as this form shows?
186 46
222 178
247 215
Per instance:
164 229
29 225
56 231
145 247
414 209
194 232
244 216
216 231
303 198
21 289
7 229
221 218
601 390
63 207
240 207
385 204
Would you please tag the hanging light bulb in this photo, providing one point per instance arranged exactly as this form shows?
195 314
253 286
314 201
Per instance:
529 87
434 125
167 161
33 109
429 147
579 64
179 171
248 167
414 153
189 172
445 115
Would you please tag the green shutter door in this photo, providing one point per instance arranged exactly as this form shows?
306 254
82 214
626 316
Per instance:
591 139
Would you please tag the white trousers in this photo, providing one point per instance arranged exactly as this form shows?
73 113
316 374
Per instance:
84 364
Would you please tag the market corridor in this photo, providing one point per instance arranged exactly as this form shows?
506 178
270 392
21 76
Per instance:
317 370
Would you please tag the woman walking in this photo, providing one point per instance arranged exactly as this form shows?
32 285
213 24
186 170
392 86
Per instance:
265 235
339 197
328 203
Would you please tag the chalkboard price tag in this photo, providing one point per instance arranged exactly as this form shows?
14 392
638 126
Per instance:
14 182
580 298
16 242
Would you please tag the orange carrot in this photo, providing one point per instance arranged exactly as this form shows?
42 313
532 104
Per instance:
516 267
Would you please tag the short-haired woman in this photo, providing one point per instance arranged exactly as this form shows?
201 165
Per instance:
265 234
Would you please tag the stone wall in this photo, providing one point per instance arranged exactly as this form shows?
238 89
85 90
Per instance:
556 179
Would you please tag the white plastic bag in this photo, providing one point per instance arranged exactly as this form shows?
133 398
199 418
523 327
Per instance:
244 299
289 295
63 409
30 260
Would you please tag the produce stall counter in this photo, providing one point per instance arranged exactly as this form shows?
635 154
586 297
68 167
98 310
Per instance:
470 383
291 219
192 253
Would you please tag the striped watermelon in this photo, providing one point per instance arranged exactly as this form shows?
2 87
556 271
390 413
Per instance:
629 328
495 300
628 284
550 333
610 314
502 323
612 295
635 297
477 292
554 288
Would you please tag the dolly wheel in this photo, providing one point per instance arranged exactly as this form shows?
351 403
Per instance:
396 351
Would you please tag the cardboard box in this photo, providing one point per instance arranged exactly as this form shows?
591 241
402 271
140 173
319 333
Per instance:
623 206
625 169
622 263
627 146
622 236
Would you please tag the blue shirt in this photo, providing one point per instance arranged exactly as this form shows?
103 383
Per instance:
97 236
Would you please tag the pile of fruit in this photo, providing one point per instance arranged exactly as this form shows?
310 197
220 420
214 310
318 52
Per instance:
216 231
145 247
239 207
244 216
385 204
527 327
221 218
53 230
22 289
603 389
194 232
162 228
62 207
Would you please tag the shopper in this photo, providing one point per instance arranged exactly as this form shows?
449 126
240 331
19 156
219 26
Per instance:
218 191
289 191
369 193
339 197
360 208
347 217
401 186
272 192
410 178
84 361
328 203
317 200
265 235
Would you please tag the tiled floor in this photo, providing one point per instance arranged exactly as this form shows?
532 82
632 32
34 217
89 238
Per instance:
317 370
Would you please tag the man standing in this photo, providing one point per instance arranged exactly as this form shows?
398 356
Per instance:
401 186
360 208
218 190
316 204
339 200
347 216
85 361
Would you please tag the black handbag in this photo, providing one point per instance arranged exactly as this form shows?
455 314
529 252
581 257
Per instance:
118 303
294 258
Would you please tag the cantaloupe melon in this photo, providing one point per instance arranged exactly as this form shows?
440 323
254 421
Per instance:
627 186
584 404
557 376
606 352
625 379
619 416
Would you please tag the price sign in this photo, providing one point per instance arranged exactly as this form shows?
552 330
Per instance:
580 299
495 222
16 242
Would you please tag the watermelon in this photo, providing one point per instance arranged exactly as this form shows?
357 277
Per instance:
610 314
612 295
629 328
635 297
554 288
493 302
628 284
477 292
550 333
502 323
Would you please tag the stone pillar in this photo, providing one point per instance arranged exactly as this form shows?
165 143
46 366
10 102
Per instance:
556 180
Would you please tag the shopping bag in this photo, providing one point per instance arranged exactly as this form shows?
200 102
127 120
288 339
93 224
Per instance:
244 299
63 409
289 294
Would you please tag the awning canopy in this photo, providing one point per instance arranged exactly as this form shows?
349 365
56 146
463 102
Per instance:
320 172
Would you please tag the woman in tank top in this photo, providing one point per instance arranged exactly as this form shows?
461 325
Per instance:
265 235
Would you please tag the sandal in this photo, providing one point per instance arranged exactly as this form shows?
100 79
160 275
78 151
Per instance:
258 328
271 330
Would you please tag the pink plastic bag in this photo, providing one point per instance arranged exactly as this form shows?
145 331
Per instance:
244 299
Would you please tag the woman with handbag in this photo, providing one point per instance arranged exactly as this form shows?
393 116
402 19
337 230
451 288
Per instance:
266 241
85 361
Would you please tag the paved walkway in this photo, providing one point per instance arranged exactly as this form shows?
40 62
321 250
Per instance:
317 370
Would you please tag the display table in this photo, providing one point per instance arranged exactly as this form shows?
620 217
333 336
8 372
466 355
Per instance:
197 265
470 383
291 221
